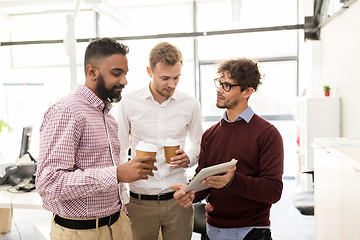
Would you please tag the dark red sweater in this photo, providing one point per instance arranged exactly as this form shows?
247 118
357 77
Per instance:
257 182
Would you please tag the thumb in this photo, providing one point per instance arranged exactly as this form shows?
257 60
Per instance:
178 191
175 186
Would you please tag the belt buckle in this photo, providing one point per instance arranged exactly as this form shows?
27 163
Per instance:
159 197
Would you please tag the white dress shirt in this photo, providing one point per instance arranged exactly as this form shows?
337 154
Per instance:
141 118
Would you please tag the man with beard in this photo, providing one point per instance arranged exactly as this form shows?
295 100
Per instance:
239 202
154 114
79 175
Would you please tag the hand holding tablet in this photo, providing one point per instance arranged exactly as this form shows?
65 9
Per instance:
206 172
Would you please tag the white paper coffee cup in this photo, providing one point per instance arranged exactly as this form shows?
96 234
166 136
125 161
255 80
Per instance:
143 149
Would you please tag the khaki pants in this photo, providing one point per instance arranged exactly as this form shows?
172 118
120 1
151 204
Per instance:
147 216
120 230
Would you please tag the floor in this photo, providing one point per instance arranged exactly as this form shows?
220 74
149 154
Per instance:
286 221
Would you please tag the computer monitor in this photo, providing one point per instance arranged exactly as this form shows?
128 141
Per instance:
25 140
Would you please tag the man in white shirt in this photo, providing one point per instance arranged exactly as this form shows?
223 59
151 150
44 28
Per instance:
154 114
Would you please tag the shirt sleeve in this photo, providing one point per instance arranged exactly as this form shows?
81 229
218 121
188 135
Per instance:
195 134
124 135
57 176
124 132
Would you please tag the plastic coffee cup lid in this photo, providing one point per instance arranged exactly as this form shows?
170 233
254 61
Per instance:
146 147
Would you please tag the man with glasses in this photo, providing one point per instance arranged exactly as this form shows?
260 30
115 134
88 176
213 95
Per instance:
239 201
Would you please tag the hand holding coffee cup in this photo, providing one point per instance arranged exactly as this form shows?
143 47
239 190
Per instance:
146 149
138 168
175 155
170 147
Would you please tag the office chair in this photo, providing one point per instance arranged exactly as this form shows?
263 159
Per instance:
304 201
200 219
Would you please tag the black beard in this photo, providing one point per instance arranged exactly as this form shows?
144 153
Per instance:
107 94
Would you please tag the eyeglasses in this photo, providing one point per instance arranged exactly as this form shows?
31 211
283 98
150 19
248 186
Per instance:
226 86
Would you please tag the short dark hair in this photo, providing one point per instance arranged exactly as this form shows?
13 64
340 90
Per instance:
103 47
243 70
166 53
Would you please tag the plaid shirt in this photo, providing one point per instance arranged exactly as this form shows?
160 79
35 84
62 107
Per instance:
79 151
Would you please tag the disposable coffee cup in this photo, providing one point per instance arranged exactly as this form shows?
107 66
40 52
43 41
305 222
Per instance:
170 146
145 149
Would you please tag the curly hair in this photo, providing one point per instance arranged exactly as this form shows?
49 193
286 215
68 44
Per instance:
243 70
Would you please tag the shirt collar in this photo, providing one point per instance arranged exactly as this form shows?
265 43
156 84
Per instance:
147 94
93 99
247 114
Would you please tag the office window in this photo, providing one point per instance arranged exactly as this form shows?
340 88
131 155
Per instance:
276 95
255 45
45 67
24 107
40 55
44 55
51 26
332 7
150 18
223 15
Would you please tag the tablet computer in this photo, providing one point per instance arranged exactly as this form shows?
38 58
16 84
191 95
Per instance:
221 168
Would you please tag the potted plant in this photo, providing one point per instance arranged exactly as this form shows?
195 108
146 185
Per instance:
326 90
3 124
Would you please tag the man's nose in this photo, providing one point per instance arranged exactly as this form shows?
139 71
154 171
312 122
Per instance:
123 80
172 83
219 89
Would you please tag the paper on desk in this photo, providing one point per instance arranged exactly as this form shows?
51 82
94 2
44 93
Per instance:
322 142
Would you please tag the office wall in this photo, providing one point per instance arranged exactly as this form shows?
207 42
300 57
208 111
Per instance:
340 49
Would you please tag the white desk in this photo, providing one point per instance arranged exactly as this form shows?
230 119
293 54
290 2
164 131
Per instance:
10 198
337 196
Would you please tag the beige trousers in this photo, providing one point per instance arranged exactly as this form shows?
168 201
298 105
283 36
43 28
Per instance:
120 230
149 216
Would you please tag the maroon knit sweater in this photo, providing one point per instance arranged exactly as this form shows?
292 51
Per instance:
257 182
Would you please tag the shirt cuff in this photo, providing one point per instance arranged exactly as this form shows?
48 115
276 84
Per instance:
108 177
125 195
193 159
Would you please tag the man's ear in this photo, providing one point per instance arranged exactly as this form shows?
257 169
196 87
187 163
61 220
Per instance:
148 69
248 92
91 72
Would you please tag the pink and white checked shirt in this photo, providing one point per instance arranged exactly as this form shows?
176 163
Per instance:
79 151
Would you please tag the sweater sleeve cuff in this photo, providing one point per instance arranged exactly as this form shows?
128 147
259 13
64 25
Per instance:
232 179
